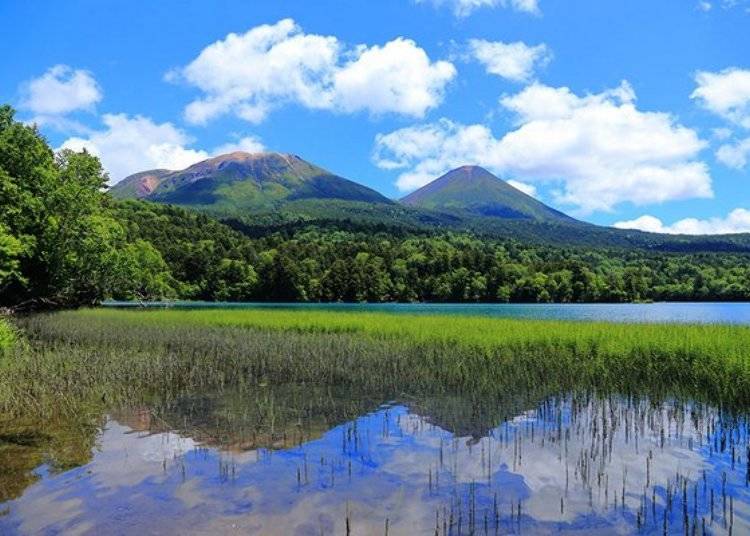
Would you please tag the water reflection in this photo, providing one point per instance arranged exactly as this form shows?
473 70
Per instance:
445 465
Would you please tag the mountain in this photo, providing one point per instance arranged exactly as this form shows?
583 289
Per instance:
139 185
263 193
476 191
239 182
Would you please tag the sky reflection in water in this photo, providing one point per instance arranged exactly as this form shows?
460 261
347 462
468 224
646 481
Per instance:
561 467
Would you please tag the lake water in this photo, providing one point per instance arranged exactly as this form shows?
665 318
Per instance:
329 463
699 313
315 459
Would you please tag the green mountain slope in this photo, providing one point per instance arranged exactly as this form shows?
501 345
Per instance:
236 183
267 192
474 190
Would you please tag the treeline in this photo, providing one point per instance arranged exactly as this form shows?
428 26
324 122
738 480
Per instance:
210 261
64 242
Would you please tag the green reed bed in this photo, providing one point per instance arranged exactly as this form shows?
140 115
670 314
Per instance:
7 336
711 357
106 354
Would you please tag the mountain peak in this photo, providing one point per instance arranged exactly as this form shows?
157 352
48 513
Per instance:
475 190
239 181
243 156
471 170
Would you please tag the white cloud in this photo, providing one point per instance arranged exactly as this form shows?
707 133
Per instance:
464 8
734 155
725 93
427 151
131 144
250 74
59 91
514 61
600 149
248 144
705 6
397 77
737 221
647 223
528 189
721 133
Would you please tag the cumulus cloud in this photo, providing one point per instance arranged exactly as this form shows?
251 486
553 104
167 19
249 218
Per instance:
128 145
737 221
464 8
514 61
248 144
59 91
725 93
734 155
528 189
598 150
269 66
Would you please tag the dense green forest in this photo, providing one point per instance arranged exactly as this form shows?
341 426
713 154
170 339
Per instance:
65 242
210 261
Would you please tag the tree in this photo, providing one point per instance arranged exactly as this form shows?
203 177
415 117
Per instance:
232 280
60 245
142 274
10 253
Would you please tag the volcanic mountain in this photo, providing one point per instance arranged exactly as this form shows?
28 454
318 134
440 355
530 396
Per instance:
238 182
474 190
264 191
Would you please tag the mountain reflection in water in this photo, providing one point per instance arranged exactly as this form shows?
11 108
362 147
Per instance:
319 462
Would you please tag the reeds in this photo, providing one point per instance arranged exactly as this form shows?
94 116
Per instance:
116 354
7 336
282 378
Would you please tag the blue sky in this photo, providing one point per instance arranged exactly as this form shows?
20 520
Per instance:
634 111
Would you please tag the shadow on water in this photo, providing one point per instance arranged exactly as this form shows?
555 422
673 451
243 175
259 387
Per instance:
299 459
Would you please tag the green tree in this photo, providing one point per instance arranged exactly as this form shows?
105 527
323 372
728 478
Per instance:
11 250
142 274
59 242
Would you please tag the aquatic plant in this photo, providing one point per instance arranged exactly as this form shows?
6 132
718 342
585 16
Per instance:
494 391
120 354
7 336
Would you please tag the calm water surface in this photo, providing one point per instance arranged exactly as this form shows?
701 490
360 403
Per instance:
701 313
442 465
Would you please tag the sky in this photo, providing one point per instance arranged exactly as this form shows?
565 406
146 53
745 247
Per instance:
629 113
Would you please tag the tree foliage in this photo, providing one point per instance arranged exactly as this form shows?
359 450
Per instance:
59 242
210 261
65 242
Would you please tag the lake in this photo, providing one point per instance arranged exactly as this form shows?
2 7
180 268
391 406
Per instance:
266 422
574 463
698 313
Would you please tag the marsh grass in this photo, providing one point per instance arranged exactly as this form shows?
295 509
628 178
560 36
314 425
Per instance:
7 336
110 355
260 379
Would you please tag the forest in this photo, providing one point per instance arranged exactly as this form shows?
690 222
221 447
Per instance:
64 242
